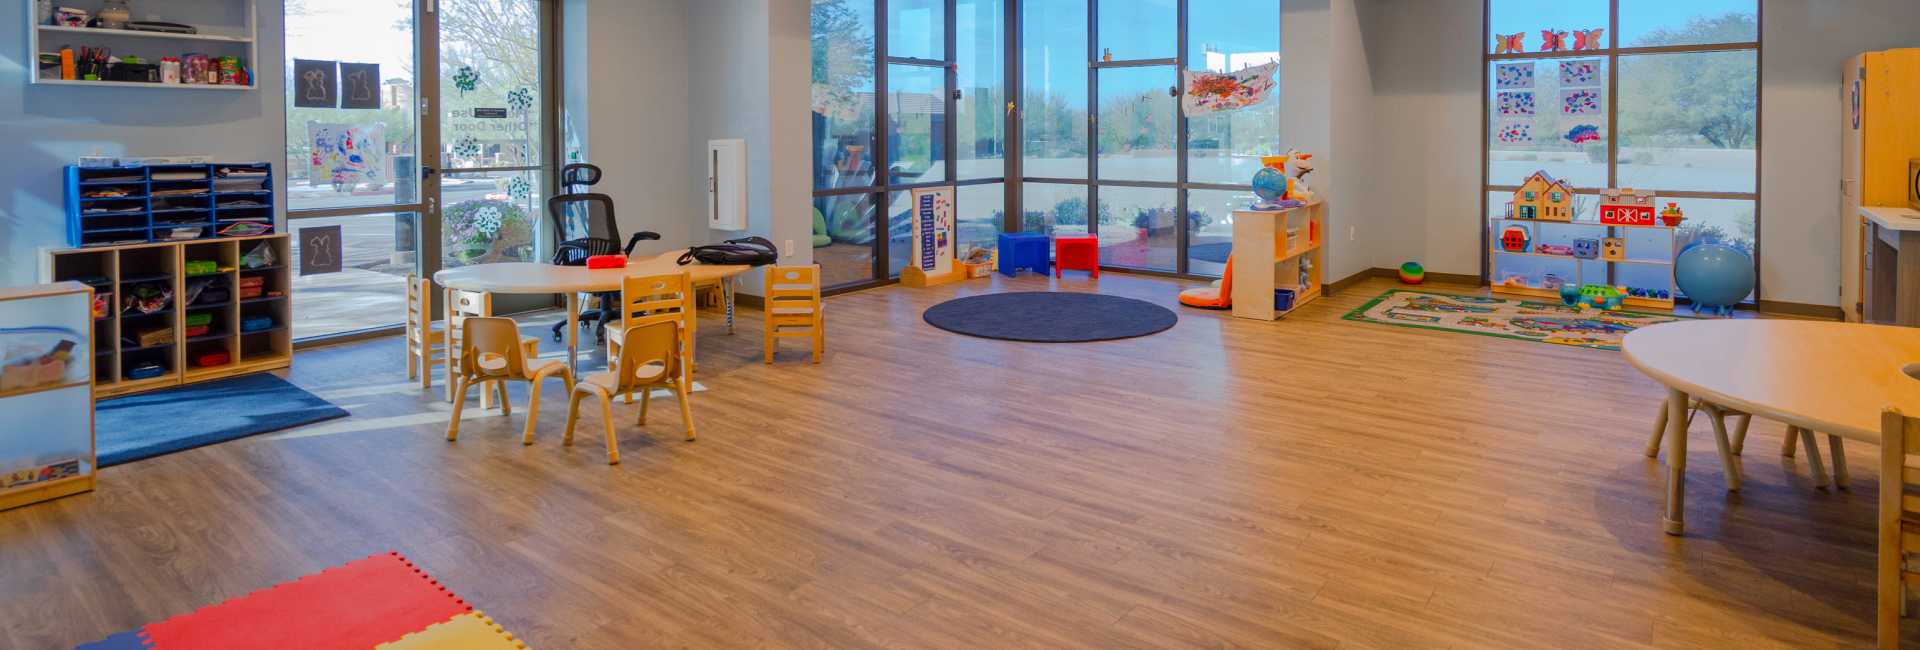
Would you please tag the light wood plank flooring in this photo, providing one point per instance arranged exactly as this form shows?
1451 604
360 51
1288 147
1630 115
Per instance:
1311 483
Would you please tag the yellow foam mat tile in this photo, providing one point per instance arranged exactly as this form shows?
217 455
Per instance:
469 631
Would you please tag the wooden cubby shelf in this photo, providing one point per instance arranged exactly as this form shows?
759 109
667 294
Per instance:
186 354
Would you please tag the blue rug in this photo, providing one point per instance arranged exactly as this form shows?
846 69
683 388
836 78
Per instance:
162 422
1050 317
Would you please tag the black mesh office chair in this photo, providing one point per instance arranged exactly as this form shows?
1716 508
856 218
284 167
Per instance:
584 225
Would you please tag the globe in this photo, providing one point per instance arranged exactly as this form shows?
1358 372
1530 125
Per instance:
1269 184
1714 276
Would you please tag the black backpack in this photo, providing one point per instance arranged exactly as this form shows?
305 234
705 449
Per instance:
755 251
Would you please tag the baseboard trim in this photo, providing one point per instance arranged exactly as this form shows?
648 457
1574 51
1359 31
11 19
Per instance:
749 300
1366 274
1801 309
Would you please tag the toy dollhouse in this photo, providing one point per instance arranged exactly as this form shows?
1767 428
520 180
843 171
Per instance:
1542 197
1626 207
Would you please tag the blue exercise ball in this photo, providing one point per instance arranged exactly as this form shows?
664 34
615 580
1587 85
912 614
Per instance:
1715 276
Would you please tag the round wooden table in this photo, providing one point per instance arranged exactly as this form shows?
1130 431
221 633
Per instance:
1834 378
571 281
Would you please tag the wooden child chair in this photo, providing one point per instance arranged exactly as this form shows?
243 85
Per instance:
492 350
650 357
653 299
794 309
423 333
1899 522
462 305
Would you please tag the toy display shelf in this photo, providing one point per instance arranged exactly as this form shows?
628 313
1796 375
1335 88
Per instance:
158 201
1496 254
118 270
54 457
228 28
1274 250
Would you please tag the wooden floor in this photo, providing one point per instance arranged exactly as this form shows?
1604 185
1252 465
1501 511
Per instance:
1310 483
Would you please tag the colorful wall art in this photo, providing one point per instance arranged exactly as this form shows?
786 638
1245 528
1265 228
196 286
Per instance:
347 153
1517 103
1213 92
1584 101
1510 43
1583 134
1516 132
1580 74
1511 76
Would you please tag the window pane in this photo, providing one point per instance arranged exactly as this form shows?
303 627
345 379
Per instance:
1050 207
1653 23
1210 228
1548 114
493 217
1226 36
1138 29
1137 128
370 290
917 29
843 238
1054 102
981 71
380 31
980 211
916 129
1690 121
843 115
899 231
490 67
1529 17
1137 228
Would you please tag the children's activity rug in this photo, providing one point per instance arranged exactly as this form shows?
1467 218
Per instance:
383 601
1546 321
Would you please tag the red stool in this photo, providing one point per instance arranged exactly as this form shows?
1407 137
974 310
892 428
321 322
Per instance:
1078 252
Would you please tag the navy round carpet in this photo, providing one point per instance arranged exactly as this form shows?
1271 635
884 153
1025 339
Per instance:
1050 317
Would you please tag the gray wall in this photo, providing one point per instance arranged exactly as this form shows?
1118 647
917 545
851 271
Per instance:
47 127
1427 120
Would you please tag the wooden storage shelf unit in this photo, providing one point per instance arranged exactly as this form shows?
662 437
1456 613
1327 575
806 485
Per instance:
225 28
54 456
1276 250
118 270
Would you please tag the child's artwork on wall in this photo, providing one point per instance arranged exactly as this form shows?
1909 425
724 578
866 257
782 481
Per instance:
1509 76
1589 39
1580 102
1553 40
1583 134
1517 103
1510 43
1580 74
1213 92
1514 132
347 154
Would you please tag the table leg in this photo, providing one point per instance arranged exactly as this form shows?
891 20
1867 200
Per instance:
1740 433
726 293
1676 516
573 333
1659 431
1817 468
1723 443
453 355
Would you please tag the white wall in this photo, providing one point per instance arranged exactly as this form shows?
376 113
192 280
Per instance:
750 68
1804 47
1326 80
47 127
626 93
1427 118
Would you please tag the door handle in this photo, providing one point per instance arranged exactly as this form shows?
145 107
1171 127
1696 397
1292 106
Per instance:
426 171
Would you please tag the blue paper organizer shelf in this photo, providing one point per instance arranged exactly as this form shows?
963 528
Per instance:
157 203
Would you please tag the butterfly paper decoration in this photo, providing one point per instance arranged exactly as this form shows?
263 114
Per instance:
1514 44
1587 40
1553 41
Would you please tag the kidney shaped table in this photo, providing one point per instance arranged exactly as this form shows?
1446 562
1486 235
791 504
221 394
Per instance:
571 281
1834 378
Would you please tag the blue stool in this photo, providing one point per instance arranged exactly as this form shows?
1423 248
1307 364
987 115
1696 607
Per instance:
1024 250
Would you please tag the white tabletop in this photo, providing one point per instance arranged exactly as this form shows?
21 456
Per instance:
1891 218
1833 378
526 277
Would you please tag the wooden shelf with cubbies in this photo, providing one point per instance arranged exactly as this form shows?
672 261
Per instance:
1277 250
1504 280
206 327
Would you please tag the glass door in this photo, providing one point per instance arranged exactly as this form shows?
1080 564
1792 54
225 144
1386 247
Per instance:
418 171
